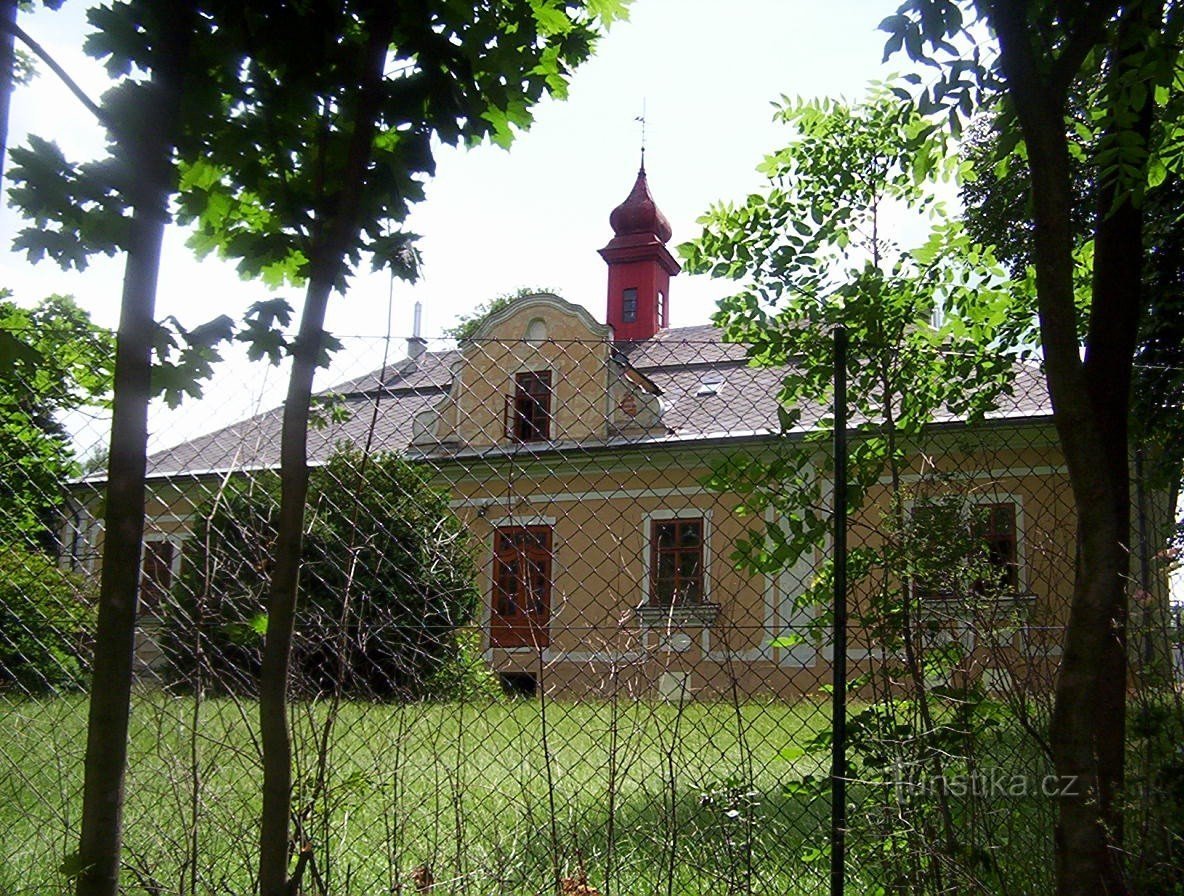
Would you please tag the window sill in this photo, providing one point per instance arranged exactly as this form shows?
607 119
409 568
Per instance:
677 615
997 618
946 600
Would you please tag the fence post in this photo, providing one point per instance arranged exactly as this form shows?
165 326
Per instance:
838 770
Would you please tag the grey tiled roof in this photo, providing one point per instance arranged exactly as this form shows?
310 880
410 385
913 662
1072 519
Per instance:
708 392
255 443
430 370
682 346
744 403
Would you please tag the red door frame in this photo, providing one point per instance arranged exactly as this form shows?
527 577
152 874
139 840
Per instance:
520 609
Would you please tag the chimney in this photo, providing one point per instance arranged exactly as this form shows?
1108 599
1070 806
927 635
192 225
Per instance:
417 345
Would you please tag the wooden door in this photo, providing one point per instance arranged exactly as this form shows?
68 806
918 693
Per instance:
521 607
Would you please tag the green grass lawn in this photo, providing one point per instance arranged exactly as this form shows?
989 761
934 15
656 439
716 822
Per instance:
466 789
649 797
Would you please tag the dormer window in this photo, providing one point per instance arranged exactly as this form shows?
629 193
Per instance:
711 384
528 410
629 305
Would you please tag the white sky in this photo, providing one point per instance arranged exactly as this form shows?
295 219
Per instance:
495 220
533 216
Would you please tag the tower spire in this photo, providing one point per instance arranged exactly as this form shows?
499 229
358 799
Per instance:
639 264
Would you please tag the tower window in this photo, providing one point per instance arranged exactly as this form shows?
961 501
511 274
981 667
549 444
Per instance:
528 410
629 306
661 310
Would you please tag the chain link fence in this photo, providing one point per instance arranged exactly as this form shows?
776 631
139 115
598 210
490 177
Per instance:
565 626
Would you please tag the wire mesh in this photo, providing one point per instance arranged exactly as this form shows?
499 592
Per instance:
555 636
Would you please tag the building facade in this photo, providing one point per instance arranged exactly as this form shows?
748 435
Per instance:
585 460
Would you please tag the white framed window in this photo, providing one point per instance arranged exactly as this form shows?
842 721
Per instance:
160 566
677 558
990 525
528 410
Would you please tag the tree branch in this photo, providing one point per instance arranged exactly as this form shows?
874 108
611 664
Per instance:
1090 25
41 53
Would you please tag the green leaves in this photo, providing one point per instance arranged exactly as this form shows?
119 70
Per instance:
285 160
924 322
397 253
468 324
377 538
933 33
186 357
262 330
551 18
76 210
52 360
309 169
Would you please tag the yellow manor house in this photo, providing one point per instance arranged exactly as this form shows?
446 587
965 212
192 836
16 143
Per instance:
578 454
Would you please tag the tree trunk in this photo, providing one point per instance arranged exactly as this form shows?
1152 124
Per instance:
327 261
281 605
7 73
101 835
1091 404
1089 717
107 727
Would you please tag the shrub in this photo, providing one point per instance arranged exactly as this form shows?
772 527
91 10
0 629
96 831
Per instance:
387 581
46 620
466 675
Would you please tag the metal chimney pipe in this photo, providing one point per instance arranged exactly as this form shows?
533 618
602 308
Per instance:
417 345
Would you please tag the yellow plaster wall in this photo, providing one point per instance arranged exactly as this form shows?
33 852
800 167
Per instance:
601 541
576 356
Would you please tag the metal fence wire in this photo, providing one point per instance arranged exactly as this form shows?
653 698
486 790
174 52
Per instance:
565 626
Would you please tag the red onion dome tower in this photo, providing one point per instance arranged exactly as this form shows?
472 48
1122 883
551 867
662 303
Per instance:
639 266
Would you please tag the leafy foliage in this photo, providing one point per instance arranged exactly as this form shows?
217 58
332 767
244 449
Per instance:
46 620
52 360
998 212
1126 135
186 357
386 584
468 324
812 254
267 186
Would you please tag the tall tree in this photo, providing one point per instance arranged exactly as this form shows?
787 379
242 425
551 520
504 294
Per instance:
812 252
329 123
998 213
52 360
149 146
1042 49
299 144
122 204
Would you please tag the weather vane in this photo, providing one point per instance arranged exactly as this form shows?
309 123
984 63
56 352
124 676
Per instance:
641 118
